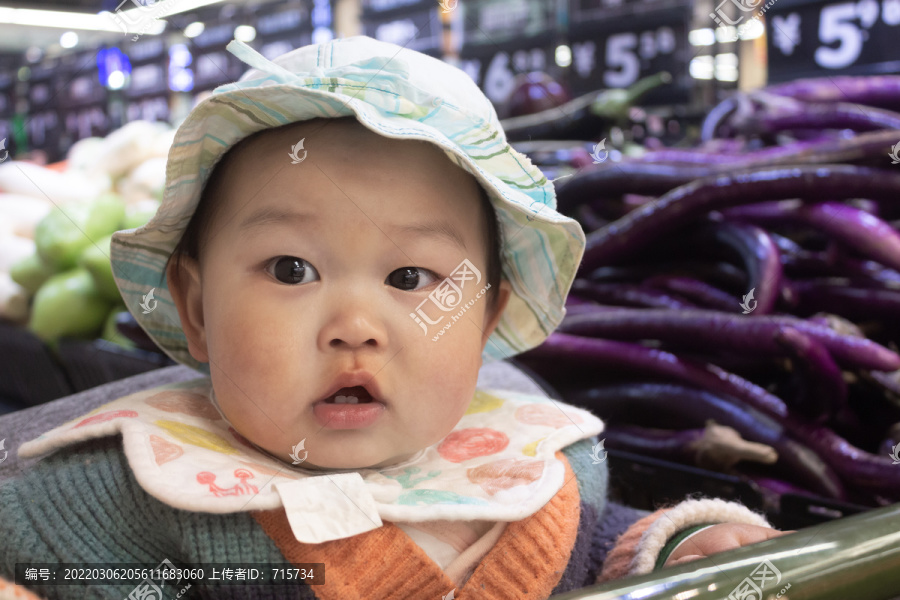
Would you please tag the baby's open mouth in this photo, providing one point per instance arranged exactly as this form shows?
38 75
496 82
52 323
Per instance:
350 395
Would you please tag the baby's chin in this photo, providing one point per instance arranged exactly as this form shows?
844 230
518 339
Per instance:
358 464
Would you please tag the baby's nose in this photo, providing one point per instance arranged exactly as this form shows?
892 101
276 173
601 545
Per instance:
353 326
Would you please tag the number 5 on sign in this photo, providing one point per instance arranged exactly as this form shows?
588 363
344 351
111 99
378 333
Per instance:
620 56
836 25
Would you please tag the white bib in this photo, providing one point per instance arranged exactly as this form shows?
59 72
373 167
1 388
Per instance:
497 464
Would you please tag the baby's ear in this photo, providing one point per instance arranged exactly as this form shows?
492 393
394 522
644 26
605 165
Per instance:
492 317
183 279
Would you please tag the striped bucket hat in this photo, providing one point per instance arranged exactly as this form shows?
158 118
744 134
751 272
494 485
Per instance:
397 93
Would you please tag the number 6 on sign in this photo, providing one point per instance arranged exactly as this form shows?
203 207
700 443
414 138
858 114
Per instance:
620 53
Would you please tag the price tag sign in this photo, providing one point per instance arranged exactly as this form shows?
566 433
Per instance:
282 23
494 68
86 122
600 10
618 52
147 80
815 39
152 108
148 48
418 30
492 22
215 68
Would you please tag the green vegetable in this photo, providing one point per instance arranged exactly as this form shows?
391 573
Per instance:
95 259
31 272
614 104
65 232
110 333
69 305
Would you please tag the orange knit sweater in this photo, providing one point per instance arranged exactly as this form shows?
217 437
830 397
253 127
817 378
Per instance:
525 564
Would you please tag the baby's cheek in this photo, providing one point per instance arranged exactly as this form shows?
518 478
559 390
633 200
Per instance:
452 386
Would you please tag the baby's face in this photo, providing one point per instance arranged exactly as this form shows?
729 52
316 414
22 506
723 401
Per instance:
310 274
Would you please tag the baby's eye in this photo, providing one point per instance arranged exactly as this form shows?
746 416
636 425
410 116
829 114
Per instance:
410 278
292 270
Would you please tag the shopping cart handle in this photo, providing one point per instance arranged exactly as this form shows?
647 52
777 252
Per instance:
855 557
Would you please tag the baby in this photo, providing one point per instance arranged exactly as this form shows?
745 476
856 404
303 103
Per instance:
345 239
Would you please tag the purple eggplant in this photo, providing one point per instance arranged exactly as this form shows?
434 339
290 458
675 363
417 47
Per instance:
881 90
833 295
696 291
817 116
623 294
720 273
887 381
678 406
650 175
716 117
803 264
857 467
890 445
858 229
589 219
757 251
715 447
581 352
575 301
864 147
614 179
639 228
826 391
729 332
775 488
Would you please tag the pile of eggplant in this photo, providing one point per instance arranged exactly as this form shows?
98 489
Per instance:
738 303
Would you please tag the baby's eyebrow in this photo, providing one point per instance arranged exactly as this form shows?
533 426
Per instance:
275 214
433 228
285 216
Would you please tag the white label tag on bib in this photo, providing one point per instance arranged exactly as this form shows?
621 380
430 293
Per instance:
328 507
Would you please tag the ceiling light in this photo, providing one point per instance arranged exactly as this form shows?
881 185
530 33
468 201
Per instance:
563 56
702 37
194 29
245 33
68 40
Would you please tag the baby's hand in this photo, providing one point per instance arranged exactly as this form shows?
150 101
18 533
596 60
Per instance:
719 538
